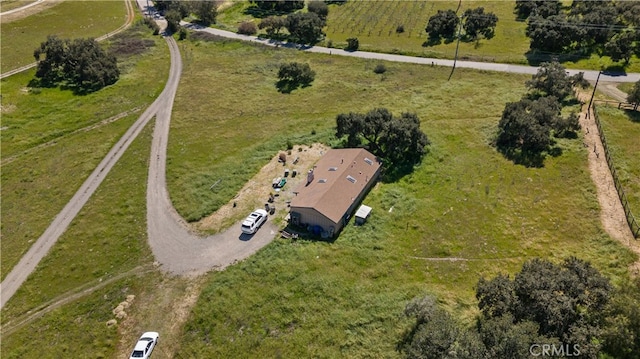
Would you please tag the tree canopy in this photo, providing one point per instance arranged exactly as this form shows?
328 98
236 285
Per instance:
80 64
397 140
552 80
206 11
477 22
292 75
443 24
634 95
305 28
569 305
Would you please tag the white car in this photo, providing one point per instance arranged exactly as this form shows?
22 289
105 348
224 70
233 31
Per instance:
251 224
145 345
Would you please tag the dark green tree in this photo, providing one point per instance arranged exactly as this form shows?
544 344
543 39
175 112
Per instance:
477 22
173 18
444 24
519 129
352 44
50 68
543 8
434 332
320 8
554 33
279 6
305 28
505 338
552 80
399 141
273 25
206 11
621 332
80 64
621 46
634 95
293 75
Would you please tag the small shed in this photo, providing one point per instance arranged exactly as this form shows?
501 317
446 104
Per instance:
362 214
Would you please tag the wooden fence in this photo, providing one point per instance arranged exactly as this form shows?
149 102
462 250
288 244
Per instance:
631 220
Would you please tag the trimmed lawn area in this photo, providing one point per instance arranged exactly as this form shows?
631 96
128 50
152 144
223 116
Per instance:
70 19
622 131
52 140
464 213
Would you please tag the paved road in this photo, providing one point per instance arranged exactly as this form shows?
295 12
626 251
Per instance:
487 66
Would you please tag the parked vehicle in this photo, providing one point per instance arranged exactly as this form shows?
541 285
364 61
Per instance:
253 222
145 345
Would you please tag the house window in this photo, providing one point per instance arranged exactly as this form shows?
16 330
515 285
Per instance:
333 168
322 180
368 160
351 179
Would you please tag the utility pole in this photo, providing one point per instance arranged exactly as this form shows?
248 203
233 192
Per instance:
455 58
593 94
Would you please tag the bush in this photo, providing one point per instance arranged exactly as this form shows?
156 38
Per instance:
152 25
380 69
182 34
400 29
330 44
352 44
247 28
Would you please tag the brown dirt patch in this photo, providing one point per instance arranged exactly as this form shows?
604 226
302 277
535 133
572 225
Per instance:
44 5
612 213
256 191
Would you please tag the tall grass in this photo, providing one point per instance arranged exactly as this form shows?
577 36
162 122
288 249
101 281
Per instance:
622 131
56 139
464 213
70 19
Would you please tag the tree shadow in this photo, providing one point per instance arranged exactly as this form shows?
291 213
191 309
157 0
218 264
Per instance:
536 57
286 86
634 115
528 159
396 172
260 13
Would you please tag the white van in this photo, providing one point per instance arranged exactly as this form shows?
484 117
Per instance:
251 224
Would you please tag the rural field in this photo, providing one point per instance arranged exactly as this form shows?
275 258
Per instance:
464 213
374 23
68 19
465 201
52 140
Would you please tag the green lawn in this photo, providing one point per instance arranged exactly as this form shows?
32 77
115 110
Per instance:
56 139
70 19
309 299
374 23
622 131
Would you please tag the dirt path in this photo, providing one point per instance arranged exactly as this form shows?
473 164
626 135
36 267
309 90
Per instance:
612 213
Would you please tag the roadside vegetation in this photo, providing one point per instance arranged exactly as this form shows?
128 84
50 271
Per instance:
622 130
465 203
53 139
400 27
69 19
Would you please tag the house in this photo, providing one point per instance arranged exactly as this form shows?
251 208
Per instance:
333 189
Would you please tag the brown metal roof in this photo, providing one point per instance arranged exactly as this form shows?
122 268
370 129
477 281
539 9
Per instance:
339 178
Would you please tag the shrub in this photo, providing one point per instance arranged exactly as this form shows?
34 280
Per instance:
380 69
247 28
182 34
400 29
330 43
352 44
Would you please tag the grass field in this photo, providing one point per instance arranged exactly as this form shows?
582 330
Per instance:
107 238
622 131
374 23
70 19
309 299
56 139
